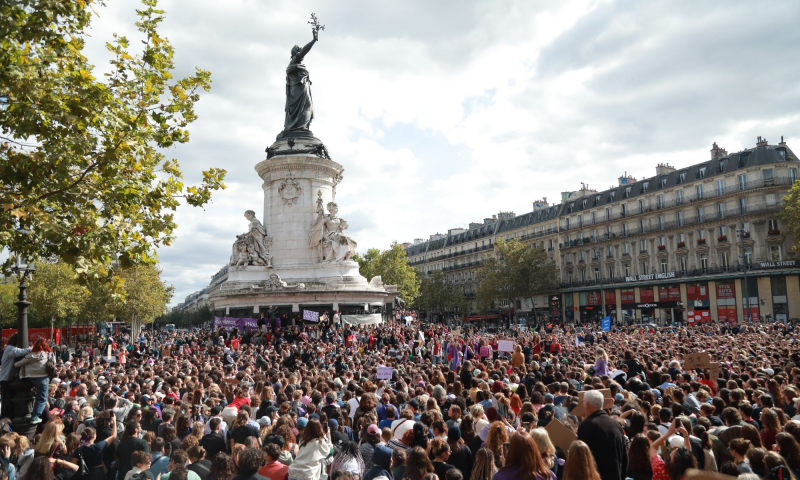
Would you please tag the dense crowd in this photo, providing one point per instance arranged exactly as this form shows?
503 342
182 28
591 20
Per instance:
316 402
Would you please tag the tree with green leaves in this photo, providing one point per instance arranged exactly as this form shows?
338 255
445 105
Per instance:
438 295
392 266
790 215
9 290
514 271
82 173
145 296
432 293
55 292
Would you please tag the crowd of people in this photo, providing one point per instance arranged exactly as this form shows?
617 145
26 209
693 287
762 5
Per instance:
332 401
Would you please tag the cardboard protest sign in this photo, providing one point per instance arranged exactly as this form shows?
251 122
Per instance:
505 345
607 403
694 474
692 361
385 373
456 332
561 436
713 371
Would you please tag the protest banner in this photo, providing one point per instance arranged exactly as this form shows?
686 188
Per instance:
505 345
310 316
385 373
696 360
561 436
607 403
713 371
606 325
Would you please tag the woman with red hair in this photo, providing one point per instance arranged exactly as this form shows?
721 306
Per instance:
33 367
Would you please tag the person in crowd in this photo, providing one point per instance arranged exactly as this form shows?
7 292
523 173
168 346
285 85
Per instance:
178 467
315 450
198 462
440 450
580 464
33 367
418 465
129 443
604 436
381 464
91 451
223 468
523 461
273 469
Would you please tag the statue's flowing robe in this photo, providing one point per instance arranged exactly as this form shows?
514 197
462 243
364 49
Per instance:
299 106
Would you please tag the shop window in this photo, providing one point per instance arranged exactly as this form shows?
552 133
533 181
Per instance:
627 296
646 295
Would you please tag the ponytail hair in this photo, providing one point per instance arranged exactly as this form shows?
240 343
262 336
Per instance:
87 435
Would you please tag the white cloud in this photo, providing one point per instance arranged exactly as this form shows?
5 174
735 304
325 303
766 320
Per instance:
446 112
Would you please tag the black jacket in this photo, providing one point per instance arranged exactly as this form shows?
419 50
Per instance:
606 440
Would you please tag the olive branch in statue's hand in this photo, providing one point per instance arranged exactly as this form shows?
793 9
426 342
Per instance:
315 26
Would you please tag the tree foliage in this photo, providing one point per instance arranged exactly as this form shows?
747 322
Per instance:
82 176
790 214
392 266
146 296
437 295
55 292
514 270
8 295
194 318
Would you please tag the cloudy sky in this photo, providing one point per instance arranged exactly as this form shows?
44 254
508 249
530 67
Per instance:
447 112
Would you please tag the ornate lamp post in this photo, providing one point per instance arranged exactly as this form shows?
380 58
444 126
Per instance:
23 400
23 270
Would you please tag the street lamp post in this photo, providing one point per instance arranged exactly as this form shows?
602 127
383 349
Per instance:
23 400
602 293
741 233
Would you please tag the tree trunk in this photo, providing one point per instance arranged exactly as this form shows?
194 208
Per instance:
52 323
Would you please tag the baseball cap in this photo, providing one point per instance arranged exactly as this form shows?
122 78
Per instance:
373 430
265 421
302 422
548 397
333 424
453 434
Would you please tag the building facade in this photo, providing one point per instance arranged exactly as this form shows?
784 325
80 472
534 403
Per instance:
692 244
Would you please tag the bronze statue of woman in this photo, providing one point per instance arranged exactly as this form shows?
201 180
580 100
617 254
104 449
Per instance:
299 106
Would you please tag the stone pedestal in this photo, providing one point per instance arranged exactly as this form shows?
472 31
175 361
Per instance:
299 183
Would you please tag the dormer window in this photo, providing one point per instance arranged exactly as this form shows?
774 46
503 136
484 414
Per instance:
611 195
781 152
571 206
583 204
722 164
596 199
663 182
644 186
627 192
682 177
743 157
701 172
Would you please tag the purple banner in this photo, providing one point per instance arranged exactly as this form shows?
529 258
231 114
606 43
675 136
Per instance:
229 323
310 315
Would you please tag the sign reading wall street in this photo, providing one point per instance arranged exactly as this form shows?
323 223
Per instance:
652 276
783 264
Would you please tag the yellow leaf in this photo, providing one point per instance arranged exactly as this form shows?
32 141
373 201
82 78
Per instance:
19 213
8 206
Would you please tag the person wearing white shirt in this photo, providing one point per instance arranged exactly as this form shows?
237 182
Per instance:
223 427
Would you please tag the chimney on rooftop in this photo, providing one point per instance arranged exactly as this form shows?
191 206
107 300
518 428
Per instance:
664 168
782 142
717 151
761 142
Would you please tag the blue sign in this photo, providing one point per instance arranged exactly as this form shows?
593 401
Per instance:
606 325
